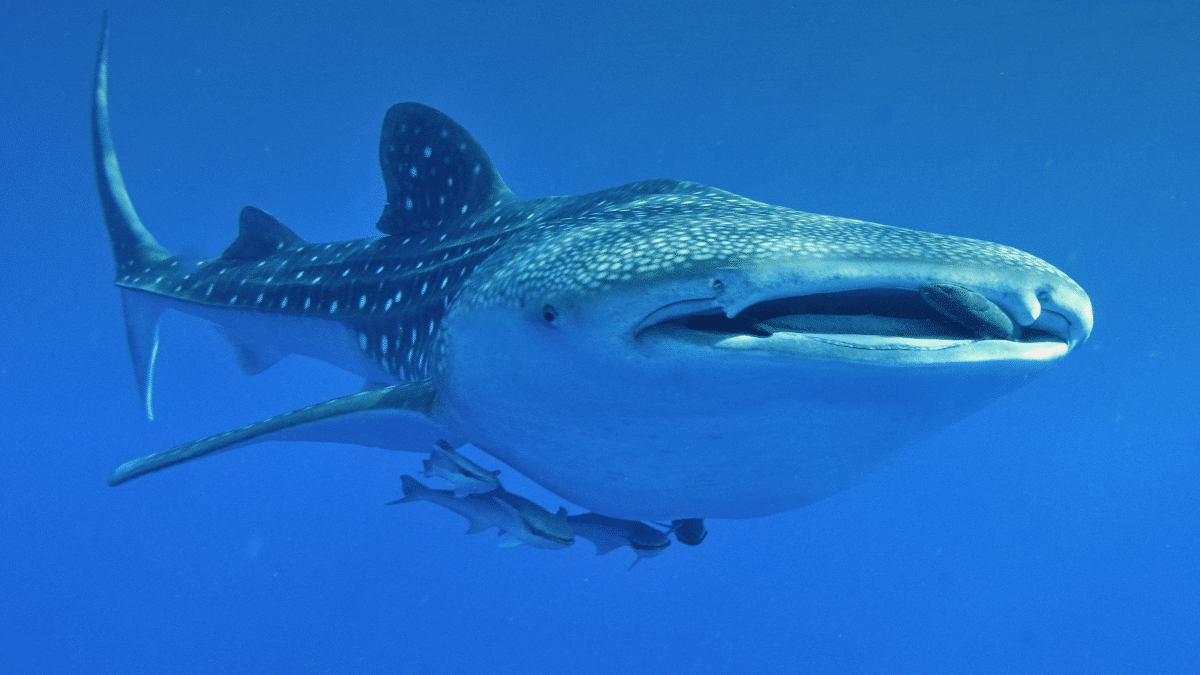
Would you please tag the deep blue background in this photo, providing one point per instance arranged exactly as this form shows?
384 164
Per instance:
1055 531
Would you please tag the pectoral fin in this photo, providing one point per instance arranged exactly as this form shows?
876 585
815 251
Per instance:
397 418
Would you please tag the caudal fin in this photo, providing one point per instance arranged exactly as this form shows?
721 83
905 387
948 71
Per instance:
133 245
414 490
134 248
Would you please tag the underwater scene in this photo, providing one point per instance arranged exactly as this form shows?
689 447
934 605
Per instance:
806 337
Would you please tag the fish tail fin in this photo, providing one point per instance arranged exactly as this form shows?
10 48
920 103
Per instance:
134 248
477 525
142 312
414 490
133 245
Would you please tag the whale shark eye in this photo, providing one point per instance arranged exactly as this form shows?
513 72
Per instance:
549 314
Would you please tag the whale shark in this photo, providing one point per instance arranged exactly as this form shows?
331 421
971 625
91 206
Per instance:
657 351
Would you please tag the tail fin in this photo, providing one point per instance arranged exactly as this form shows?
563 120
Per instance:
142 312
414 490
132 243
134 248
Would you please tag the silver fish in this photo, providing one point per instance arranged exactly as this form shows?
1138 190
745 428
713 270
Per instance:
522 519
464 476
609 534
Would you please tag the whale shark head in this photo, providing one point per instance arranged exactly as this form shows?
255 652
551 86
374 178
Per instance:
688 347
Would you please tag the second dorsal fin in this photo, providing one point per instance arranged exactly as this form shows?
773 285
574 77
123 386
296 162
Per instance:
259 235
435 172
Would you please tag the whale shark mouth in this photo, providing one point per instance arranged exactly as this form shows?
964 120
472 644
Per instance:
931 317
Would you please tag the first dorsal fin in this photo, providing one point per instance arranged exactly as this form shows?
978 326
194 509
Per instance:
435 172
259 235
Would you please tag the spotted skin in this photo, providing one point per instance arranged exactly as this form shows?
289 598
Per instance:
391 291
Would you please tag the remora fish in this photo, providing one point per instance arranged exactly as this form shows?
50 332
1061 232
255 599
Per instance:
533 525
689 531
482 512
609 534
621 348
463 475
525 521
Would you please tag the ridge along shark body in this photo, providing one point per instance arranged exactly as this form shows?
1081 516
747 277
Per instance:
660 350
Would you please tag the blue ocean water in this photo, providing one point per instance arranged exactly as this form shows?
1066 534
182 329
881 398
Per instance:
1055 531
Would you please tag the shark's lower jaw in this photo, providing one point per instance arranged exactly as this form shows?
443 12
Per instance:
881 350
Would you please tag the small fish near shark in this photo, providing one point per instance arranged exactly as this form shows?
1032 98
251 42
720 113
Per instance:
658 351
512 514
479 497
609 534
466 477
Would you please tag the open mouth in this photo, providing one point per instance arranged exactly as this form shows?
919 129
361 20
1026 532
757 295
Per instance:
934 316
